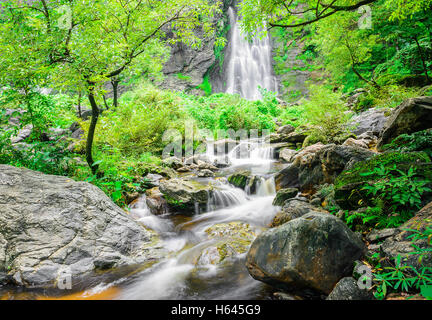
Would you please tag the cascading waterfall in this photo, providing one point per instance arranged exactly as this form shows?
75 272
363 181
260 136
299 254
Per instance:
250 64
225 196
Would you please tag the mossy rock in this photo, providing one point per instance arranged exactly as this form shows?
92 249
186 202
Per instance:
232 239
348 185
185 195
284 195
239 179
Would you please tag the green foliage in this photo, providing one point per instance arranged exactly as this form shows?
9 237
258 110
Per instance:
138 124
394 196
48 157
401 277
325 114
418 141
389 96
402 160
206 85
224 111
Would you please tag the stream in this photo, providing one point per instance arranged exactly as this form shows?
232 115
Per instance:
179 276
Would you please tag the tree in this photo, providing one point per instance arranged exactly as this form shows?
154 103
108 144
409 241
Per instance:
260 14
93 42
345 47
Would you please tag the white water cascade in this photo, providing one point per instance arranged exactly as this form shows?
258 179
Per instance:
250 63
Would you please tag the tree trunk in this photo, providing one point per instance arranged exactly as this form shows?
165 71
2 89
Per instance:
79 104
422 58
371 82
105 102
115 83
94 118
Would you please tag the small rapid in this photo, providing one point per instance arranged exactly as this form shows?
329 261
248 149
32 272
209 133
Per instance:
189 271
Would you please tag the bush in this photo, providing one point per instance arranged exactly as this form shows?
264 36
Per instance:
138 124
418 141
225 111
326 115
401 277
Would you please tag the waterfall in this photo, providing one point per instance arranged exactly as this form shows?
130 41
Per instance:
249 64
225 196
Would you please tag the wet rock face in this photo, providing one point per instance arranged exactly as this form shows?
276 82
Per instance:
287 154
372 120
187 67
293 209
309 253
322 166
348 289
411 116
48 223
401 243
156 202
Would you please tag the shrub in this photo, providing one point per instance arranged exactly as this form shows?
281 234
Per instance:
401 277
326 115
138 124
393 197
418 141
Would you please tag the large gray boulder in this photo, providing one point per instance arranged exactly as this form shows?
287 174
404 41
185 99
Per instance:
293 209
371 120
312 252
49 224
322 166
411 116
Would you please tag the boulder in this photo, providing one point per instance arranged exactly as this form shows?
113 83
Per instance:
86 114
205 173
184 195
283 195
356 143
323 166
403 244
152 180
348 289
285 130
293 209
411 116
240 179
287 154
379 235
173 163
78 134
202 165
372 120
156 202
22 134
294 138
312 252
49 224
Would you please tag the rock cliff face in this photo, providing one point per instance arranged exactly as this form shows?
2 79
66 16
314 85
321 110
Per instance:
187 67
51 226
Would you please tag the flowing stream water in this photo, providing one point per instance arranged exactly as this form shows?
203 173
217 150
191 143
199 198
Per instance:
179 276
249 62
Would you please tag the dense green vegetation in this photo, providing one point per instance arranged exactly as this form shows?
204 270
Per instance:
83 52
